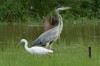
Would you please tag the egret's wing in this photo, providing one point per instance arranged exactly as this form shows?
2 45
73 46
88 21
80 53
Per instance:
41 50
47 36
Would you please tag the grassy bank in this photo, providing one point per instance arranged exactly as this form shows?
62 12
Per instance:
72 21
36 21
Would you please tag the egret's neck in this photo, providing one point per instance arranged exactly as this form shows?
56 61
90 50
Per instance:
26 45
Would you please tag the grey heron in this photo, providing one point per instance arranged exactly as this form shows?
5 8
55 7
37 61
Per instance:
52 34
36 49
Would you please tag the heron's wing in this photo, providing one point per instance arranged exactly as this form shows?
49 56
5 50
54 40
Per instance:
46 37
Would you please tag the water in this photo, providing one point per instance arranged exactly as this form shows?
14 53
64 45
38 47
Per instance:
71 34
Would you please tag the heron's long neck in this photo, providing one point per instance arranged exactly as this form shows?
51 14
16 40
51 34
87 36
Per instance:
60 24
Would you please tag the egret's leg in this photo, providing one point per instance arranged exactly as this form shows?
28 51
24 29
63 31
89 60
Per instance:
47 45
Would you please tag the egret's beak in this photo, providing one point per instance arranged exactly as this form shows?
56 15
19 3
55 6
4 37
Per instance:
18 43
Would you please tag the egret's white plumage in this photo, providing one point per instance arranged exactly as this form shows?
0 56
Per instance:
35 49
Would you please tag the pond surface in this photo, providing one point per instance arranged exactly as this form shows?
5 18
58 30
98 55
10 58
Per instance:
71 34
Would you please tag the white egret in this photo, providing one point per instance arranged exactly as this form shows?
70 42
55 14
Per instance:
35 49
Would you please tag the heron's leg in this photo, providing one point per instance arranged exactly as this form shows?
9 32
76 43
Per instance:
47 45
50 46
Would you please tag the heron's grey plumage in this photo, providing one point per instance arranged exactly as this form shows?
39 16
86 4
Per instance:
46 37
52 34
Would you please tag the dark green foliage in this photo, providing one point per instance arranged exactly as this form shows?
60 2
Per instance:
26 10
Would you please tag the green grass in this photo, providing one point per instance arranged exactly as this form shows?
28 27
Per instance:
64 55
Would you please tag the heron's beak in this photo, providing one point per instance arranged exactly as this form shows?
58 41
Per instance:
67 7
64 8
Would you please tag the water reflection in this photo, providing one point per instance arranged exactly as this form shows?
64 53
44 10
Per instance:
72 33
